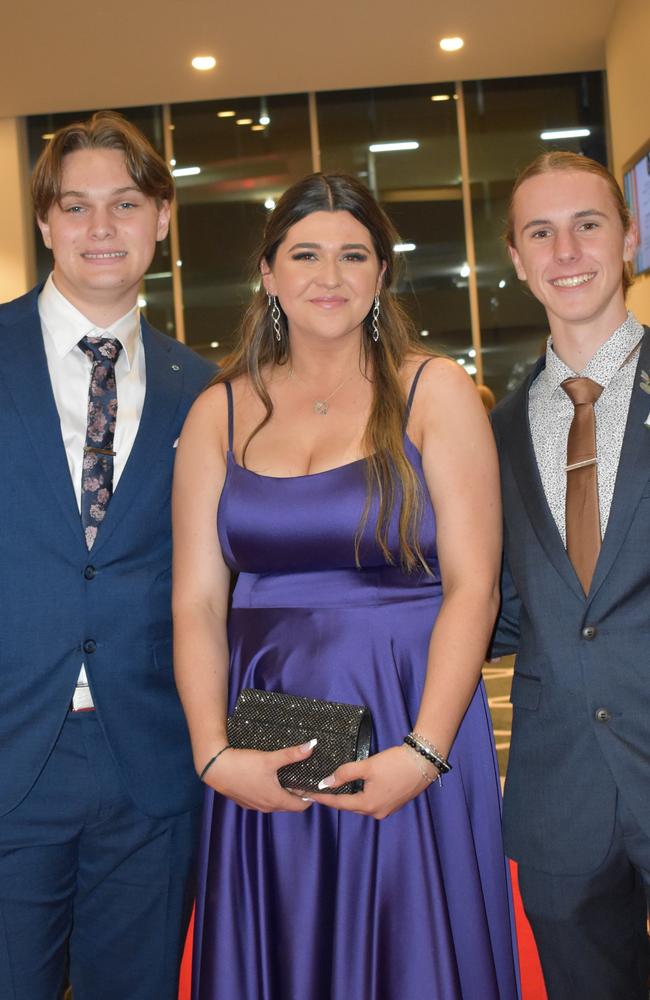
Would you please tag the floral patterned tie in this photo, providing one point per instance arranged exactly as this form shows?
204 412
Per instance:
97 475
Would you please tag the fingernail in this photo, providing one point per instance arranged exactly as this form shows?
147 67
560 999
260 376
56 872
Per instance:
305 799
308 746
327 782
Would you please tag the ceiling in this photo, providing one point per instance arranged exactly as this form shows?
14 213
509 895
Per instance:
119 53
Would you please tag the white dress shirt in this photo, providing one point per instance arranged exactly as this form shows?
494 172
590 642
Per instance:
63 327
551 411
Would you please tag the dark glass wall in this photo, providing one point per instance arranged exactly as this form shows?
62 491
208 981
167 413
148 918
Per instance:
505 119
246 152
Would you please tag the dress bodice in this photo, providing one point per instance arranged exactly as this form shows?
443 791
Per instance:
269 524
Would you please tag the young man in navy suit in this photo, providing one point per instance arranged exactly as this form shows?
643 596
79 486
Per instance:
575 463
98 794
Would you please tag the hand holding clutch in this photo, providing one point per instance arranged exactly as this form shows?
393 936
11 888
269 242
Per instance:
270 720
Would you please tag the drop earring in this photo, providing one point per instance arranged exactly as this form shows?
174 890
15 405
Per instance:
375 320
275 316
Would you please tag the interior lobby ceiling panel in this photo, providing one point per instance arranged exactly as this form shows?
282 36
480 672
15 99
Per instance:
121 53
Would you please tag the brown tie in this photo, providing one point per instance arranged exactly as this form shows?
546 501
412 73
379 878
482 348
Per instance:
582 510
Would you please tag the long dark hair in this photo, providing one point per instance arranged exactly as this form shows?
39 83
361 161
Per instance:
390 475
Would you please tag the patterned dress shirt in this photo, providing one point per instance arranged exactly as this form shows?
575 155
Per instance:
551 411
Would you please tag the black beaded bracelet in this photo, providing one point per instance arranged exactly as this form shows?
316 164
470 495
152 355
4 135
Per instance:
434 758
212 760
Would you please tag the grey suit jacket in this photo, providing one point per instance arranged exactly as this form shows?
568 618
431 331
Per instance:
581 688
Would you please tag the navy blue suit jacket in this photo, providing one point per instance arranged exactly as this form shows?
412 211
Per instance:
56 596
576 655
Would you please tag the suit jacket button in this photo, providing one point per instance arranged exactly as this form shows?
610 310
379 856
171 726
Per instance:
589 632
89 646
602 715
89 572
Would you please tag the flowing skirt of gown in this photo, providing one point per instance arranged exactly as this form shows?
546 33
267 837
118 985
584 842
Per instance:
328 905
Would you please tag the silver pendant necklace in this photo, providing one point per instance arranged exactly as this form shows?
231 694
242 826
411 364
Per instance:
321 406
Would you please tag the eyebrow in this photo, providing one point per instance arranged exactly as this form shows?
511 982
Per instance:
317 246
84 194
583 213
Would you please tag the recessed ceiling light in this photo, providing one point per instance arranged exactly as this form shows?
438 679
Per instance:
451 44
392 147
403 247
185 171
47 135
265 120
270 204
465 270
214 344
142 302
441 97
204 62
244 121
424 333
566 133
226 114
257 128
502 283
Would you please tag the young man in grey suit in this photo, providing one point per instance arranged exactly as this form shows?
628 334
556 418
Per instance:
575 465
98 796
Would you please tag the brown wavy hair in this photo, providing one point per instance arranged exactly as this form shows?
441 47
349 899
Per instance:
105 130
389 474
548 163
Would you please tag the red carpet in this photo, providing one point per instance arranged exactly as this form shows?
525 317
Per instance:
532 983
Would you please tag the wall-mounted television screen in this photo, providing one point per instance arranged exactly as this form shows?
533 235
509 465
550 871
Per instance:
636 177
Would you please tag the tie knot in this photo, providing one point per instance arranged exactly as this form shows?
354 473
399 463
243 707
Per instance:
582 390
100 349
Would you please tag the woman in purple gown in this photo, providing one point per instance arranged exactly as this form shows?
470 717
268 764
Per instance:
351 483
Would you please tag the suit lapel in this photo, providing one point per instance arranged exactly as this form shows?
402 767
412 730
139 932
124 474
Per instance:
164 389
24 366
632 475
519 444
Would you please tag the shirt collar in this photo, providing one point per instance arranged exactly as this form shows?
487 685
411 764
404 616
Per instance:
65 325
607 360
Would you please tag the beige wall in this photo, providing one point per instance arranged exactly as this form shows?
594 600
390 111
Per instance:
16 242
628 84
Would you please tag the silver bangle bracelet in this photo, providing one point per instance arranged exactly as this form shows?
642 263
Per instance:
428 750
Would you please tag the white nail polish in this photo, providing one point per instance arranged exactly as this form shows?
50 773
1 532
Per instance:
306 747
327 782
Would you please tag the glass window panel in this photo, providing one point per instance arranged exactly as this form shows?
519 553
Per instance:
157 286
504 122
419 188
221 210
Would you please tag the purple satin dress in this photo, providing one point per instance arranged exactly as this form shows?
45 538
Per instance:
327 905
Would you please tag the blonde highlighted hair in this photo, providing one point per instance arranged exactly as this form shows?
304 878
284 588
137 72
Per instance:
558 160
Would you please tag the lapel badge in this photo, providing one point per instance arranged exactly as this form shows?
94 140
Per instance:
644 384
177 368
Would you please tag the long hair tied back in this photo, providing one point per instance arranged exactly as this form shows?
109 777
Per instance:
390 476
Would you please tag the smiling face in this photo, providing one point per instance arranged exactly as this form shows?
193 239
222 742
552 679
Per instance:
325 274
570 247
102 232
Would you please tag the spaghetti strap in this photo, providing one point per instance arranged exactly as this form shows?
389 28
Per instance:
414 385
231 416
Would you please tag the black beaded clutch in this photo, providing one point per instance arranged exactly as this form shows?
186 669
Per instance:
269 720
